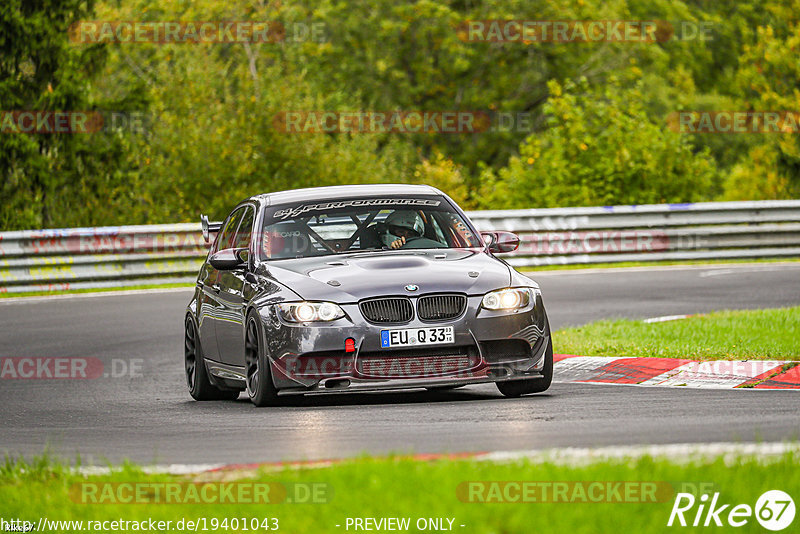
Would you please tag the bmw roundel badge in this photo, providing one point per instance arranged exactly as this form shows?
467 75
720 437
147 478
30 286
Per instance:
412 287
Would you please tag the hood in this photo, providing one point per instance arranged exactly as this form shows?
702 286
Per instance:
351 277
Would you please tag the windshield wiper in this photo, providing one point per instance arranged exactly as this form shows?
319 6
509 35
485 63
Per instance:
359 251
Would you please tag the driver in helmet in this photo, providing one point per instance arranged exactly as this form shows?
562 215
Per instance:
404 229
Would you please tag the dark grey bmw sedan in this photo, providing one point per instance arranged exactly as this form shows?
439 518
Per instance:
360 288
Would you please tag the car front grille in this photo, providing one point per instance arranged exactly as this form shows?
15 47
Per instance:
417 363
387 310
441 307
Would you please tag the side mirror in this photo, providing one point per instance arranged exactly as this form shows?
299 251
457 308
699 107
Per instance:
208 227
229 259
501 241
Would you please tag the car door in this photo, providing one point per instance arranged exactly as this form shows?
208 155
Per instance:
209 307
231 299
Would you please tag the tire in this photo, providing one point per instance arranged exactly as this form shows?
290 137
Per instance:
515 388
259 385
200 387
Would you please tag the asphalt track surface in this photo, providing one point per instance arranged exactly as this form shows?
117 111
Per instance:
150 417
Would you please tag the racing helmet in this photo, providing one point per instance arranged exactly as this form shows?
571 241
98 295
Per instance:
406 219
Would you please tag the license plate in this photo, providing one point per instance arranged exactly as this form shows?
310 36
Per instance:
411 337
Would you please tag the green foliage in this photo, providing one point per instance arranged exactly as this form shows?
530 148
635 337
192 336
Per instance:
601 149
445 175
212 136
769 79
53 179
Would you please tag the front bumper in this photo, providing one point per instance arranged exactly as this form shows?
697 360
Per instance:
489 346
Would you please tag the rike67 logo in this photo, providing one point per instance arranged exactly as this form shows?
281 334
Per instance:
774 510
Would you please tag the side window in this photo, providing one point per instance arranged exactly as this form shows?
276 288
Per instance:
226 236
242 239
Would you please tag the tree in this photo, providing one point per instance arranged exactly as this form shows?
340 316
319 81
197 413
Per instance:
769 80
601 148
46 175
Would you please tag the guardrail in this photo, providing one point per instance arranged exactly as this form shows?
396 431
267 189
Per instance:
75 258
655 232
111 256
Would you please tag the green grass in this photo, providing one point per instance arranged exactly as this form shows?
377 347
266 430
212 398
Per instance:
398 487
710 263
727 335
93 290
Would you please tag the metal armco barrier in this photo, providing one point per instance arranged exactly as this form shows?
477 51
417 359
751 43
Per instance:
74 258
112 256
655 232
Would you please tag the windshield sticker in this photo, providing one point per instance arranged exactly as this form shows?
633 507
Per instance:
305 208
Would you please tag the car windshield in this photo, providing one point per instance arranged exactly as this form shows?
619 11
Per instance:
344 226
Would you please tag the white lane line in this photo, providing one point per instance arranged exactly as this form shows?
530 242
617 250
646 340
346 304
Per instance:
679 452
171 469
666 318
93 294
716 272
747 269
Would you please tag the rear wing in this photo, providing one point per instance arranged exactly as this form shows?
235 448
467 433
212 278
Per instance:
209 227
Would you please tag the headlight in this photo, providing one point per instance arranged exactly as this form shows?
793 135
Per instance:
507 299
307 312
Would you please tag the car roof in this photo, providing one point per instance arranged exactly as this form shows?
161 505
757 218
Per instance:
336 192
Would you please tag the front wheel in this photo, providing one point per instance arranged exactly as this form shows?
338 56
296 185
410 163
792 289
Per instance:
200 387
259 384
515 388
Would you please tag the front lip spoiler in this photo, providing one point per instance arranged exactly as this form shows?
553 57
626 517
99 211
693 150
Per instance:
355 385
350 384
